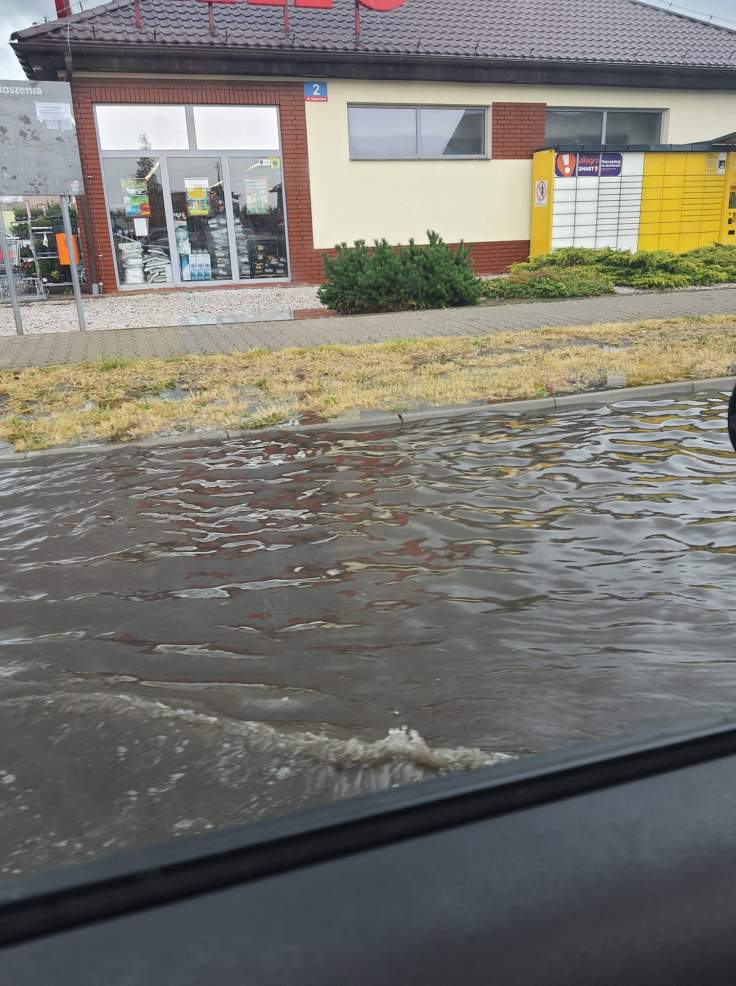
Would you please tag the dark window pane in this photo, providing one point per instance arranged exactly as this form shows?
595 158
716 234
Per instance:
450 132
258 209
632 128
137 219
573 127
382 131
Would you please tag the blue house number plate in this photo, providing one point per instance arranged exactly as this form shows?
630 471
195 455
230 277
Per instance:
315 92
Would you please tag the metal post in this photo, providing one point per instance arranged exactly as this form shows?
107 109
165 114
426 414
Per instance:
8 263
72 261
39 280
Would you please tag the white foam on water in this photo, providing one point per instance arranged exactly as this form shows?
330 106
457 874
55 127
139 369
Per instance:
400 746
12 668
202 650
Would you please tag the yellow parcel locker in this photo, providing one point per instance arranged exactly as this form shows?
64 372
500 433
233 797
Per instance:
680 199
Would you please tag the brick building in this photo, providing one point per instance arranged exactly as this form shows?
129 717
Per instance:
220 148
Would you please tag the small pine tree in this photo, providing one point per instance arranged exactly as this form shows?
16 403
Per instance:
386 279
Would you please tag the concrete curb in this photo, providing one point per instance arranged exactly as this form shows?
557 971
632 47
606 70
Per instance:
416 416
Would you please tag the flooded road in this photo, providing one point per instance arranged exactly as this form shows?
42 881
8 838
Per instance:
198 636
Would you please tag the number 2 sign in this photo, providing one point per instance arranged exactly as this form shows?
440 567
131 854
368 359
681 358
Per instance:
315 92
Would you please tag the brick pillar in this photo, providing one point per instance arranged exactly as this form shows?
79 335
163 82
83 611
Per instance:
517 130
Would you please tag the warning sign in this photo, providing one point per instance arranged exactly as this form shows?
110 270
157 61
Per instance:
565 165
541 190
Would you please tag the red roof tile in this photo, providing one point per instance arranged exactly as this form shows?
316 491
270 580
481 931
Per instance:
623 32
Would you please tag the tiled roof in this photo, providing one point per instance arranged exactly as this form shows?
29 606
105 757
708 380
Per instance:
623 32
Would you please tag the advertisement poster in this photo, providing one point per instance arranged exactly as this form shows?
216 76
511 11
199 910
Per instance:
135 197
197 192
55 116
611 165
256 196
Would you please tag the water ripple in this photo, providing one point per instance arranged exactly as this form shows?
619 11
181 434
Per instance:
508 585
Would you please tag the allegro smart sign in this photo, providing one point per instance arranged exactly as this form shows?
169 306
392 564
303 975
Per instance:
568 164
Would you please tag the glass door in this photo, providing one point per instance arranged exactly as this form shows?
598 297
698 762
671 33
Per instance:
259 216
200 218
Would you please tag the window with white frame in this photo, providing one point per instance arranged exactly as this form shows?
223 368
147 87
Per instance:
417 132
194 193
594 126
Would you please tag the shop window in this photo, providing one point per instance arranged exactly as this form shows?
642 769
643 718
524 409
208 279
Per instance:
236 128
258 212
200 220
578 126
411 132
142 127
194 193
138 220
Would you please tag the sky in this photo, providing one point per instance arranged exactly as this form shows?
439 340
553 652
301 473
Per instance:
17 14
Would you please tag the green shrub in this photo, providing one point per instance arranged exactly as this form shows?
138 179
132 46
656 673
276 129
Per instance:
382 278
658 280
571 257
549 282
715 264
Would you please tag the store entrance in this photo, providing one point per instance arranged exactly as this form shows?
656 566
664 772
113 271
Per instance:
200 223
195 194
224 208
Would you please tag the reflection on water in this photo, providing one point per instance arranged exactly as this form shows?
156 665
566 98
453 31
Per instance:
199 636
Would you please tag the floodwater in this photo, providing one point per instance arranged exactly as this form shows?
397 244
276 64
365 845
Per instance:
198 636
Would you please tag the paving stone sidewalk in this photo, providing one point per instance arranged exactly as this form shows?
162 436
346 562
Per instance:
50 349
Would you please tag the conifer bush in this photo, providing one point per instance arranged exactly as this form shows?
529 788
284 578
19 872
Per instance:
383 278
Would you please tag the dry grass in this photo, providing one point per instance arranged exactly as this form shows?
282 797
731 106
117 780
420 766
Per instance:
120 400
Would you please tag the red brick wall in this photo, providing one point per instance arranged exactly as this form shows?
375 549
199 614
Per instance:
497 257
517 129
492 257
288 96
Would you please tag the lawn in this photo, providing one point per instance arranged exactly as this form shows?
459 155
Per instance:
122 400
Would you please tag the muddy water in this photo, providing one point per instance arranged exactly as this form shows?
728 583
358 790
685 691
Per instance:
199 636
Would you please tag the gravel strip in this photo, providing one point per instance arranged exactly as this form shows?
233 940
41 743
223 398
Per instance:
123 311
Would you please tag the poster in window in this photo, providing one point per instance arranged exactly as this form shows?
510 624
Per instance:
197 192
135 197
256 196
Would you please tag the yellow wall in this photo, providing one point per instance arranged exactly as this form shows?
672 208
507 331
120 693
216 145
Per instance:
473 200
